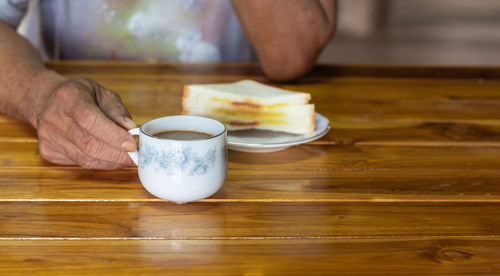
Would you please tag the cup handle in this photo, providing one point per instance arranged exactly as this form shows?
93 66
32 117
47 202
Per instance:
134 155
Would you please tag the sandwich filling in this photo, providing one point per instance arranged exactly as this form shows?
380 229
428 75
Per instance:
247 113
248 102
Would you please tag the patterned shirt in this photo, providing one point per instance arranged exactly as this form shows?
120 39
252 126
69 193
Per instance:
150 30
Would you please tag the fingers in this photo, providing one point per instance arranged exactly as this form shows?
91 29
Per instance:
93 146
111 104
99 111
51 153
99 115
73 129
56 148
93 121
87 160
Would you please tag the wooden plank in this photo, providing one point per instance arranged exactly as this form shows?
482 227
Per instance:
319 158
363 111
412 133
252 257
52 184
366 99
359 101
359 133
363 100
368 111
164 220
412 101
16 132
319 71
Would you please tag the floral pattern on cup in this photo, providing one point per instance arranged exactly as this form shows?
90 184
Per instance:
179 161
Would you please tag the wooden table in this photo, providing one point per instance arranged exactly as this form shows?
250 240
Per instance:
406 182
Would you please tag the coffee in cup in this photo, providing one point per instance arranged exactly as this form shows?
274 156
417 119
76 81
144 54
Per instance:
182 135
181 158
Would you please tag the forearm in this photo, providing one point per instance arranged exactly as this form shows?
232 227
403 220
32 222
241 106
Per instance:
24 81
77 120
287 34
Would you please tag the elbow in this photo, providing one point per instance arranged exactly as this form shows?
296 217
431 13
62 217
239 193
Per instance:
291 62
286 67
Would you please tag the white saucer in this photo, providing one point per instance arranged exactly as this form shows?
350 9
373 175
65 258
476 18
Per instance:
255 140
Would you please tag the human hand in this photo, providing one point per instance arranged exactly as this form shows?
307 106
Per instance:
83 123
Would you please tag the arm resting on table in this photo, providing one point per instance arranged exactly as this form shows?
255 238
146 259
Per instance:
287 35
24 81
78 121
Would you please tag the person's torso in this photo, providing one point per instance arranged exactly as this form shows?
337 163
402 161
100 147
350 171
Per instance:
152 30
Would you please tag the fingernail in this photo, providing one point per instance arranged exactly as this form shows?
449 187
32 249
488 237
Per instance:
129 146
129 123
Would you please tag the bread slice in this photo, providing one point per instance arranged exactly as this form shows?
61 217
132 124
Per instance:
248 104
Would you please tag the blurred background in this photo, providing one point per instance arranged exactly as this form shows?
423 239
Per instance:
444 32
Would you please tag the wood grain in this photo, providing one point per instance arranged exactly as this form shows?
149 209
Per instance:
154 91
318 158
52 184
398 133
406 182
360 101
255 257
366 110
164 220
16 132
239 69
412 134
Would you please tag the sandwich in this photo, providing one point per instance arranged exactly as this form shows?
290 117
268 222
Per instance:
248 104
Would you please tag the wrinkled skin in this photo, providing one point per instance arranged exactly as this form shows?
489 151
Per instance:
82 123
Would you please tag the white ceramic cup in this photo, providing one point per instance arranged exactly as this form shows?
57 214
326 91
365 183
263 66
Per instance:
181 170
